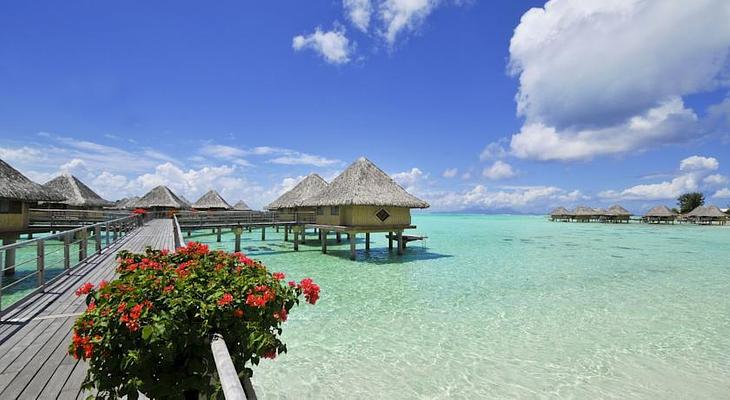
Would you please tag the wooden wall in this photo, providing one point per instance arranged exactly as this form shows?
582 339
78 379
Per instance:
365 216
14 222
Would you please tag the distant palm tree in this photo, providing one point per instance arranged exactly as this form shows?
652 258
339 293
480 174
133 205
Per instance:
689 201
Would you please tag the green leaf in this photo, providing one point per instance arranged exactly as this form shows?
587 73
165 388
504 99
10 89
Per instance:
147 332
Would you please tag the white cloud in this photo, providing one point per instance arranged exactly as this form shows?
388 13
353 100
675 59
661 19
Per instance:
524 198
397 16
74 166
332 45
358 12
493 151
410 179
722 194
694 171
499 170
450 172
715 180
608 77
296 158
21 154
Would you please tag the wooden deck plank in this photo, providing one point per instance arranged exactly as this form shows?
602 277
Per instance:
33 346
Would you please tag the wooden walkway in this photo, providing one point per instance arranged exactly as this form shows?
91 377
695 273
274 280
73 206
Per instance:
34 338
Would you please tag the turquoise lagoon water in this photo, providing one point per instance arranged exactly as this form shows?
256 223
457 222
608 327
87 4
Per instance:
507 307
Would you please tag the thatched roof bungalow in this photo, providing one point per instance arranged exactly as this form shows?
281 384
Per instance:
617 213
211 201
161 198
76 194
586 214
363 198
241 206
560 214
295 198
126 203
17 193
707 215
659 214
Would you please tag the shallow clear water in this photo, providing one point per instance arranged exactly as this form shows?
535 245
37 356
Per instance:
508 307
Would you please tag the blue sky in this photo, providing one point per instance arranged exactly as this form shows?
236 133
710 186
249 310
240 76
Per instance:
490 106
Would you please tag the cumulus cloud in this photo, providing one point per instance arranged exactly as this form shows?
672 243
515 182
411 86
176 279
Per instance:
410 179
722 193
499 170
608 77
333 46
523 198
450 172
296 158
21 154
693 171
398 16
493 151
715 180
358 12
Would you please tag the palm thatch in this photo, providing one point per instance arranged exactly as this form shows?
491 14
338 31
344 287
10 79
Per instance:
560 212
364 184
660 211
211 201
618 211
161 197
241 206
75 192
15 186
584 211
310 186
706 212
126 203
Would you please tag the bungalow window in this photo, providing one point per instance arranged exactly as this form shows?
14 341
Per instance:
10 207
320 210
382 215
335 210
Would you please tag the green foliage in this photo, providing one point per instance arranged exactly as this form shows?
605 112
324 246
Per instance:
689 201
150 329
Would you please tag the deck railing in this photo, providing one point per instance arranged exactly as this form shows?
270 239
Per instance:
53 257
243 218
64 218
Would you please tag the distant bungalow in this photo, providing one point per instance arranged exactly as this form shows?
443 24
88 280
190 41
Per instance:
660 214
561 214
294 200
616 213
17 195
76 194
241 206
707 215
211 201
126 203
364 199
613 214
161 198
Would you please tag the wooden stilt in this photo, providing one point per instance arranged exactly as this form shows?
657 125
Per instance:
277 228
390 240
296 241
190 233
263 233
323 238
367 241
286 233
218 234
352 246
238 239
338 237
400 242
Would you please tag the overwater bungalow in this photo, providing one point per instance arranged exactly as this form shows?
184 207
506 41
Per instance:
560 214
241 206
660 214
586 214
161 198
364 199
616 214
126 203
707 215
76 194
17 195
294 199
211 201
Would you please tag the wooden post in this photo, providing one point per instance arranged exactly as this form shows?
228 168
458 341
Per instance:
97 238
9 256
106 233
400 243
212 230
286 233
296 240
263 233
277 228
304 235
237 232
67 251
30 235
116 232
323 238
352 245
390 240
190 233
367 240
249 229
41 264
338 237
218 234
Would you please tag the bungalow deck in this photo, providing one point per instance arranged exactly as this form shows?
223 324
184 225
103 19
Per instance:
34 337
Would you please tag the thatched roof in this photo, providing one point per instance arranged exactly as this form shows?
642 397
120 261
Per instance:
75 192
660 211
126 203
211 200
560 212
584 211
241 206
161 196
310 186
15 186
706 212
618 211
364 184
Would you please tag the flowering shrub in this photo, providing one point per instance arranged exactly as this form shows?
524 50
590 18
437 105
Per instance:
139 211
150 329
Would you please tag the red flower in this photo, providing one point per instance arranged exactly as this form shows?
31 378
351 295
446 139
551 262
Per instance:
84 289
282 315
91 306
168 288
278 275
238 313
310 290
271 354
292 283
103 284
225 300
